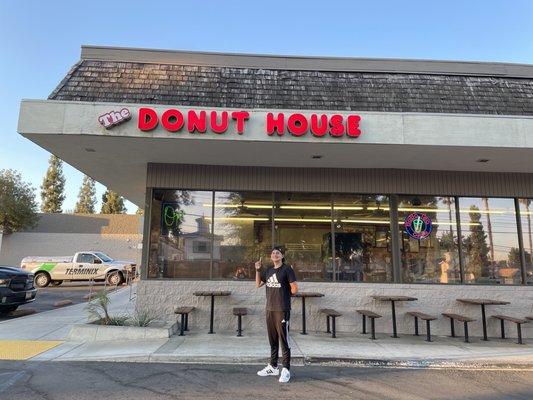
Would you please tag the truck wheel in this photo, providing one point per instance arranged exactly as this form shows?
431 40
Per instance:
7 309
56 283
114 278
42 279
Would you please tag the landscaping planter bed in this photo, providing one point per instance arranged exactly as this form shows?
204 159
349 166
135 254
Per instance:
96 332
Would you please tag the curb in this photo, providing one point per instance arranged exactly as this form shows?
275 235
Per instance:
318 361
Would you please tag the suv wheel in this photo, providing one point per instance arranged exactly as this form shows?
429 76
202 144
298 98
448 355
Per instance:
114 278
42 279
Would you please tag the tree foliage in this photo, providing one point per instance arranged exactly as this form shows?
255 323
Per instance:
18 209
112 203
476 246
87 197
53 187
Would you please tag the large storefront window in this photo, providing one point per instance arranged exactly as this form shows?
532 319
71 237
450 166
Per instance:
180 237
337 237
526 217
242 233
362 238
490 241
302 224
435 258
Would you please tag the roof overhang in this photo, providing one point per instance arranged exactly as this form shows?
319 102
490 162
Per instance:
118 157
309 63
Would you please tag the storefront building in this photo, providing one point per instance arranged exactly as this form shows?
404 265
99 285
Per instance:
378 176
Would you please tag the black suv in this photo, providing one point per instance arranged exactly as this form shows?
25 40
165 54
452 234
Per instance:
16 288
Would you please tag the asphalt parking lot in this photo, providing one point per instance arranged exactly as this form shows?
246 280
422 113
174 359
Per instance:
89 380
48 296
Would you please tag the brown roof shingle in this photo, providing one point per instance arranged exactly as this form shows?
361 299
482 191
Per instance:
219 86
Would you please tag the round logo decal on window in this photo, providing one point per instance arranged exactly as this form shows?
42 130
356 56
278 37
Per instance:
418 225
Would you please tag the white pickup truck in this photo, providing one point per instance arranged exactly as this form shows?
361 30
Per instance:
84 266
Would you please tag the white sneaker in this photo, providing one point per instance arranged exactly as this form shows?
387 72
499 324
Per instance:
269 370
285 376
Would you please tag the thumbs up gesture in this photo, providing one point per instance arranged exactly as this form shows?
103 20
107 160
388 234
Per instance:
258 264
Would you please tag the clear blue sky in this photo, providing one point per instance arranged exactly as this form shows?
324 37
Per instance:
40 41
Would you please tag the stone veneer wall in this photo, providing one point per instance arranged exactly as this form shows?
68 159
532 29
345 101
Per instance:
160 297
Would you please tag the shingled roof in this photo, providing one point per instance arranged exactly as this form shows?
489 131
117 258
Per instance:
179 82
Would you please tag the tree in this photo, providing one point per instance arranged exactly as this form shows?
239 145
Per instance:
53 187
87 197
18 209
514 258
112 203
476 246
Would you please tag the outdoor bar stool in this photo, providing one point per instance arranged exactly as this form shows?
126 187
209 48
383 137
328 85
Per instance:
239 312
330 313
461 318
184 313
517 321
372 315
425 317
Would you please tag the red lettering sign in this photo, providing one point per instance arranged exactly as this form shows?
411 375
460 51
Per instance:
218 122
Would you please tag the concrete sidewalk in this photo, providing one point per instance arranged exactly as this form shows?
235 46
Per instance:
252 348
56 324
225 347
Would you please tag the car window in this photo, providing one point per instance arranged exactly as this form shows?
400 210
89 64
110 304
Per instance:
86 258
104 257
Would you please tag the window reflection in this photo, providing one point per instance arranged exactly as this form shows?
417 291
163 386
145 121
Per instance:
490 240
302 224
434 259
243 222
526 217
180 237
362 239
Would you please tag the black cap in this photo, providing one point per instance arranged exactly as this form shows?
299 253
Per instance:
281 249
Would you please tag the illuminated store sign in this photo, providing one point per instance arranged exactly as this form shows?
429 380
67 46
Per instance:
418 225
276 124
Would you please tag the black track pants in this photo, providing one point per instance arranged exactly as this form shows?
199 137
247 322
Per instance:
278 331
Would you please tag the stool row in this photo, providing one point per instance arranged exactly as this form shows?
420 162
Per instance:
185 311
332 314
428 318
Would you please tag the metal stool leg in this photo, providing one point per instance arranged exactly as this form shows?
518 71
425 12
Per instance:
502 326
519 331
333 334
364 324
373 328
466 332
327 324
416 326
182 324
239 325
187 321
452 326
428 331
